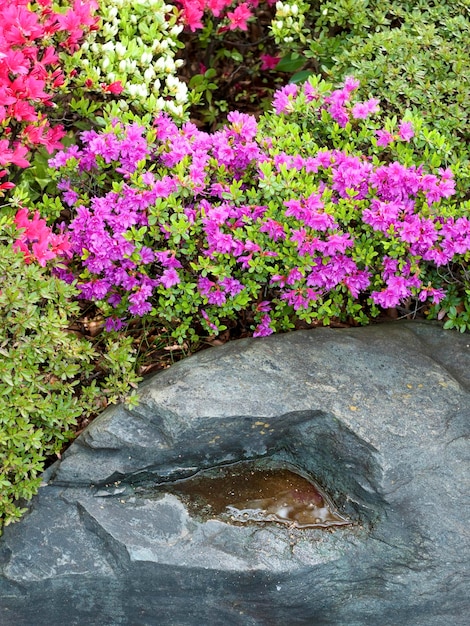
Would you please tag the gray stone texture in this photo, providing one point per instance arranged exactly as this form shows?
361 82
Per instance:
378 416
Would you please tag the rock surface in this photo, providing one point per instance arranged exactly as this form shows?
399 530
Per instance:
378 416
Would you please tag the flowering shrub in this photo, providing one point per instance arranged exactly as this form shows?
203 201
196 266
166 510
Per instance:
193 13
228 58
318 212
48 375
288 24
421 65
410 54
31 37
40 366
133 55
36 239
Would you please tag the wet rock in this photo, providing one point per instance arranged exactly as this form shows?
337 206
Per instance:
377 417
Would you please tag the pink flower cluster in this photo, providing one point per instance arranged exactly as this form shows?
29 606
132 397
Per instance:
30 72
338 104
193 13
37 241
302 246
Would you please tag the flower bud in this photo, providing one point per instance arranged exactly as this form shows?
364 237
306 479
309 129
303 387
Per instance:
120 49
146 58
149 74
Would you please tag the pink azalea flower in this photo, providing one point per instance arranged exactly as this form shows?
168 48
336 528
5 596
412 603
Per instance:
192 13
238 18
384 137
113 323
36 240
115 88
351 84
405 131
243 124
217 6
311 93
361 110
231 286
284 98
169 278
263 329
274 229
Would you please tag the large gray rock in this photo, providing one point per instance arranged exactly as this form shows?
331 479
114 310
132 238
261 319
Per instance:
378 416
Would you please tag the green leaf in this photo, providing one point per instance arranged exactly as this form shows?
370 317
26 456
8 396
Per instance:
290 64
301 77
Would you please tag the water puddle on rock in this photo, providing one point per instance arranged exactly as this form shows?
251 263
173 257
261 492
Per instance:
246 492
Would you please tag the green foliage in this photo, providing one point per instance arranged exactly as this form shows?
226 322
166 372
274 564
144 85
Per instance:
423 64
454 309
47 374
459 317
202 87
34 182
410 54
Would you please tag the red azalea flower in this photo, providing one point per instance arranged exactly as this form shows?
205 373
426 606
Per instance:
268 62
115 87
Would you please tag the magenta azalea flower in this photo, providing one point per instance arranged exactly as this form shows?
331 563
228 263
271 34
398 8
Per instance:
239 16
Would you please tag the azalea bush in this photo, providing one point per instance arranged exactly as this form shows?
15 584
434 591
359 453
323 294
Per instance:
49 376
229 15
32 37
40 366
323 210
132 55
228 57
422 65
410 54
